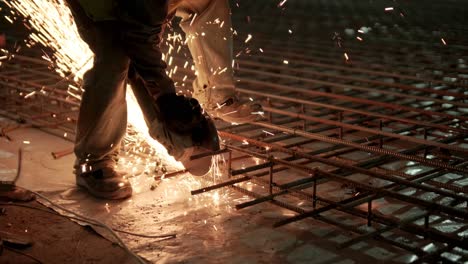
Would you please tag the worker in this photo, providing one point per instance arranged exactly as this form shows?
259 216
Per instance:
125 36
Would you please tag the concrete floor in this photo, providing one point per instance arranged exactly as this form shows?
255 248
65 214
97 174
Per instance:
49 238
208 228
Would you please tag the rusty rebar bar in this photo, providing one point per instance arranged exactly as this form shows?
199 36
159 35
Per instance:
61 153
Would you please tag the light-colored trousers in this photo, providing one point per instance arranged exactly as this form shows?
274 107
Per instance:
102 120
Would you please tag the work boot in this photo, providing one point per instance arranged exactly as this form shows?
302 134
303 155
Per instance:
209 38
105 183
184 129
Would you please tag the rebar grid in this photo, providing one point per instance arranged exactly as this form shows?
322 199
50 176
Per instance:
375 144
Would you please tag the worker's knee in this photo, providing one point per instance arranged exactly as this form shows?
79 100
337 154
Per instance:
112 60
107 76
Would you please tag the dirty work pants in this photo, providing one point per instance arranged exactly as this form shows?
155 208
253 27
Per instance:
129 51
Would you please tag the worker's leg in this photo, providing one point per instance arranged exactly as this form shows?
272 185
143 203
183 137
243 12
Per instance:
143 23
207 24
102 119
103 111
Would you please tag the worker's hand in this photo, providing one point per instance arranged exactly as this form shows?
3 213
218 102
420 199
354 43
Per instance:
181 114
